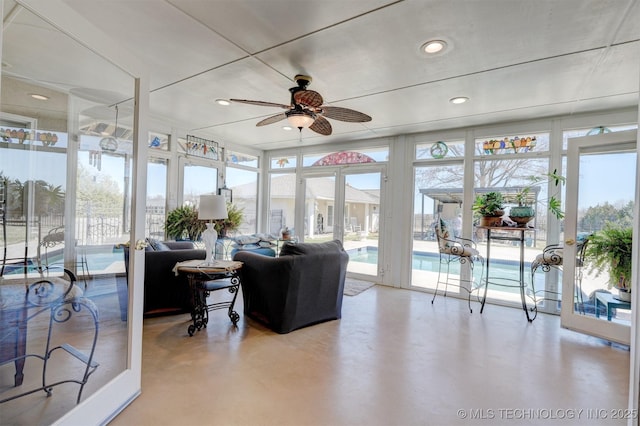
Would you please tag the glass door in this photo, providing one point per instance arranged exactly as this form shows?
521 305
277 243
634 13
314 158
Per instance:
320 209
71 158
438 195
361 209
601 175
345 205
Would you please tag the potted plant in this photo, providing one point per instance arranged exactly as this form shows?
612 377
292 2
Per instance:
610 250
490 207
232 222
524 211
182 222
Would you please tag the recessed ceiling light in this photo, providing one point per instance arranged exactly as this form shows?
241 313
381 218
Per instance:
39 97
287 128
434 46
458 100
223 102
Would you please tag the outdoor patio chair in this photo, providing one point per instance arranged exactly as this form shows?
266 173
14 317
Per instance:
553 257
460 251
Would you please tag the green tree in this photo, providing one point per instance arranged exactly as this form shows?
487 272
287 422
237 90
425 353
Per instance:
100 192
598 217
45 197
494 172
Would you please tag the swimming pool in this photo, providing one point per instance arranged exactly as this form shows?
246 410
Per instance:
426 261
99 258
429 261
423 261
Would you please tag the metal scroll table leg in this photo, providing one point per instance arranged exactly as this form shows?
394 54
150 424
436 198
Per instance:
486 279
523 284
233 315
199 310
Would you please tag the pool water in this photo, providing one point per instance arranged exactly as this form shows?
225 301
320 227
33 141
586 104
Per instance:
426 261
422 261
98 259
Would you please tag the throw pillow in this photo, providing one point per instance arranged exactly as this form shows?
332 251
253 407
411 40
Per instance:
444 229
289 248
157 245
246 239
266 237
443 232
246 246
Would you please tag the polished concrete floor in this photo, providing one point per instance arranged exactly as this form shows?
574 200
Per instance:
393 359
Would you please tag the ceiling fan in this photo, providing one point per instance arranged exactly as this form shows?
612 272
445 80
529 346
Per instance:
306 109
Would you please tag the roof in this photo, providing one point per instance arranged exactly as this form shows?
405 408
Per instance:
283 186
454 195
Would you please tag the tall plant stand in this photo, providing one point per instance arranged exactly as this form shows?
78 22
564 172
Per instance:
513 234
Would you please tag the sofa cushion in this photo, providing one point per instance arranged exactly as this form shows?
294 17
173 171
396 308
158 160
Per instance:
265 251
180 245
289 248
550 257
157 245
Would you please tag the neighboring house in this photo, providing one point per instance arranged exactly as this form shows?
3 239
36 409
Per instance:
361 211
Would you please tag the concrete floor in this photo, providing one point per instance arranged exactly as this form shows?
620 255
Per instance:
393 359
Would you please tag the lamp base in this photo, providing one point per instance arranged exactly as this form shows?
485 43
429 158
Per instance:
209 237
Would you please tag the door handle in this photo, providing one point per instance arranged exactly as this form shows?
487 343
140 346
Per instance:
569 242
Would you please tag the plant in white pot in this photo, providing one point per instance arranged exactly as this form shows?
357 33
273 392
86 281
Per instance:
610 250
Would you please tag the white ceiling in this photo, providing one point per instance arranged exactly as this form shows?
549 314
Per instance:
514 59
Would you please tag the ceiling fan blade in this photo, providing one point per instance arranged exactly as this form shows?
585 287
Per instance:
261 103
272 119
308 98
345 114
322 126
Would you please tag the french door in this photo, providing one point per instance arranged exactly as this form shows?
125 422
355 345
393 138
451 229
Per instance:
601 177
344 203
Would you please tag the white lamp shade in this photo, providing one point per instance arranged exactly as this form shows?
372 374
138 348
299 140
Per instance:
212 207
300 119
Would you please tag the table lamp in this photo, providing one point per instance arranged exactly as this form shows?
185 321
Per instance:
212 207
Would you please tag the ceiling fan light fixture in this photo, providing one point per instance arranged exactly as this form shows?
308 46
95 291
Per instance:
223 102
300 119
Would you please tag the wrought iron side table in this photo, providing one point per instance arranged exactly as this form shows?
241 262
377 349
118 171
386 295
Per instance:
513 234
204 279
